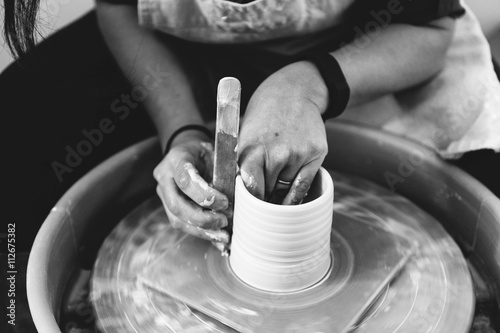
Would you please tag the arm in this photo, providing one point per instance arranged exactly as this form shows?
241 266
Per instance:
182 174
400 57
282 134
138 52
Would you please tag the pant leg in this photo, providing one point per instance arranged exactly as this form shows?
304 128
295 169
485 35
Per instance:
65 109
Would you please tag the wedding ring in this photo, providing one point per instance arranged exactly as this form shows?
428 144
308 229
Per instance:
282 182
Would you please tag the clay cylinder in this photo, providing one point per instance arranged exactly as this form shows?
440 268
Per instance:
282 248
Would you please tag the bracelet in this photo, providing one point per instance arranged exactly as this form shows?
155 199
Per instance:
197 127
336 83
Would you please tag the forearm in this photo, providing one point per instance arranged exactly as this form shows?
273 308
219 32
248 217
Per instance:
148 62
399 57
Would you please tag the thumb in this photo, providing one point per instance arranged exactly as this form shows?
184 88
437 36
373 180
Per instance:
252 174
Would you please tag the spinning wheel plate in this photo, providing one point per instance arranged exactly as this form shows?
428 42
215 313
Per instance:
433 293
365 259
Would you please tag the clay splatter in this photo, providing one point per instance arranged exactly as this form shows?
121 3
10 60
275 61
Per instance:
207 145
195 176
207 203
216 235
249 180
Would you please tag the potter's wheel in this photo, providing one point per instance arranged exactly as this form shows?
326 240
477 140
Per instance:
433 292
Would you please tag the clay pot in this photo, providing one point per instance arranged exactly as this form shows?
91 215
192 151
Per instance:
282 248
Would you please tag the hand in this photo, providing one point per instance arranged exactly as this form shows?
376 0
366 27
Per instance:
282 134
183 177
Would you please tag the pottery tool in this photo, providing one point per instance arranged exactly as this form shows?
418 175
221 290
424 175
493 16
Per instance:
226 140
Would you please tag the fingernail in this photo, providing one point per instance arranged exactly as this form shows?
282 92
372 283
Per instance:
221 204
220 224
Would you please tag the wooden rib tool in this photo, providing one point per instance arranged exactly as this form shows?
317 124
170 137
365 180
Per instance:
226 140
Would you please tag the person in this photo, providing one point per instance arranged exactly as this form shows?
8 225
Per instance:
420 69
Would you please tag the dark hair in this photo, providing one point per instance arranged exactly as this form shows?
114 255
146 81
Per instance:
20 25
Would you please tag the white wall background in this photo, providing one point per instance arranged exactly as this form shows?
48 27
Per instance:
55 14
488 12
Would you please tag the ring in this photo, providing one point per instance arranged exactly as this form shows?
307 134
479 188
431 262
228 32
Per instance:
283 182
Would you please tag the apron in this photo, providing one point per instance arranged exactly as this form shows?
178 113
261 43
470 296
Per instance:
455 112
222 21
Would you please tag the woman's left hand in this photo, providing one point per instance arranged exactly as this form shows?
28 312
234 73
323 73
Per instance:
282 135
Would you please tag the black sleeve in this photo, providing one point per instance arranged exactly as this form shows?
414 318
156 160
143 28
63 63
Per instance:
416 12
421 11
122 2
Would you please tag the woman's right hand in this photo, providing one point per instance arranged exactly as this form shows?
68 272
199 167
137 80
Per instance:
183 178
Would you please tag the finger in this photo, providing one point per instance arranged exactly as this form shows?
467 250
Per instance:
187 211
276 162
220 236
190 182
252 173
283 183
302 183
207 156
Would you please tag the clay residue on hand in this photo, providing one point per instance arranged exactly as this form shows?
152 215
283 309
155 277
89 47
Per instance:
222 247
195 176
207 145
248 180
215 235
207 202
293 191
